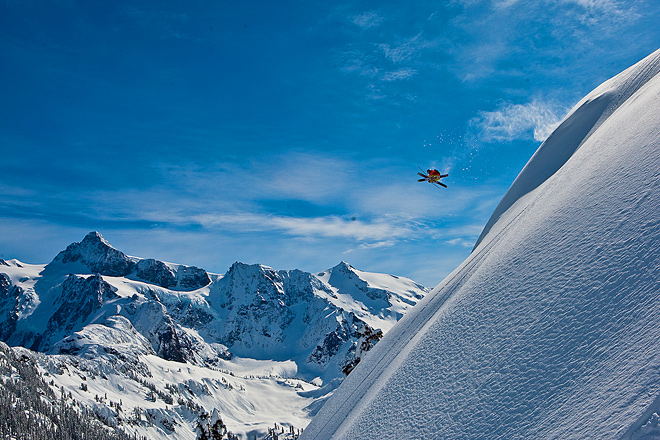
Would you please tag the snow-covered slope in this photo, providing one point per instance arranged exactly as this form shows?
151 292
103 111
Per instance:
550 329
135 329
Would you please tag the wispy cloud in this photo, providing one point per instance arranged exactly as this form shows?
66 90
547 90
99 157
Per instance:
310 177
335 227
399 74
316 227
386 59
604 8
492 33
594 12
368 19
358 62
403 50
460 242
534 120
377 245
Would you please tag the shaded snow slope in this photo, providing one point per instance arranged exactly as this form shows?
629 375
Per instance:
550 329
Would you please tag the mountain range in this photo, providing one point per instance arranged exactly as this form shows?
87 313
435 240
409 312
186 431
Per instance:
156 348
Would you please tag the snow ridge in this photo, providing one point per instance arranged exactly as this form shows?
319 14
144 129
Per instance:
576 128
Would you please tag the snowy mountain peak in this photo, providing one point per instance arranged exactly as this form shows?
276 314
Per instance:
10 263
249 270
170 276
97 255
343 266
95 238
94 254
250 282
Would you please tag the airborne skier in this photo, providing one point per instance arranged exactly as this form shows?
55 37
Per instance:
433 176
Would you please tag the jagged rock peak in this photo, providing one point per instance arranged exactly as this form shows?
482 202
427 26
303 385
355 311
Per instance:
251 271
248 274
245 267
344 266
95 237
98 255
95 253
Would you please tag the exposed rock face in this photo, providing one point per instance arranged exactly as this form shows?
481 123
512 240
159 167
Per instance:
367 339
191 278
5 285
333 341
169 345
9 304
81 296
156 272
184 278
97 254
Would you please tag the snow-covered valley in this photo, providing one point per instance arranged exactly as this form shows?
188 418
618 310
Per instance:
156 349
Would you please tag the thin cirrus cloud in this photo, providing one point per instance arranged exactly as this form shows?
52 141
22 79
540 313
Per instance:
384 61
603 11
367 20
403 50
314 178
320 227
399 74
506 27
601 8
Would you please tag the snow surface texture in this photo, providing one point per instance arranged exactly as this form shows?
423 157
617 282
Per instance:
151 346
551 328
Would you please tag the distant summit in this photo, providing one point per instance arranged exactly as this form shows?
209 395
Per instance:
95 255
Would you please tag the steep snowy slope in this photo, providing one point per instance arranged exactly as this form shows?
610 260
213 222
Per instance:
550 329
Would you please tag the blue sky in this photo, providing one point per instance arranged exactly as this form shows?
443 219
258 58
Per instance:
287 133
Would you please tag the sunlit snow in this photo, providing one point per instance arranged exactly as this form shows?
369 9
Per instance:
550 329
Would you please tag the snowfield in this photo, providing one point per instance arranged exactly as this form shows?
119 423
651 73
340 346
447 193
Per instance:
551 328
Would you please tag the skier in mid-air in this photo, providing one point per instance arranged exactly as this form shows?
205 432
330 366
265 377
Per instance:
433 176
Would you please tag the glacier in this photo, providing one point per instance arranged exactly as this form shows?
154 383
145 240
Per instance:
550 329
